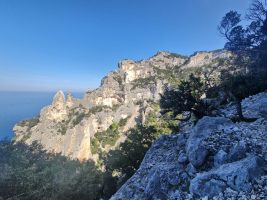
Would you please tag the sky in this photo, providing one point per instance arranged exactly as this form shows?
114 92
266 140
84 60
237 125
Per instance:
47 45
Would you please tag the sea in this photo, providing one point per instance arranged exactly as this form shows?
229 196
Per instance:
17 106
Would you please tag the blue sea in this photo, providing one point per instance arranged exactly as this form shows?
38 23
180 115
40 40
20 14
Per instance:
17 106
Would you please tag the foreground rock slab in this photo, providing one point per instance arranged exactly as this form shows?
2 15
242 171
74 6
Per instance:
207 126
237 175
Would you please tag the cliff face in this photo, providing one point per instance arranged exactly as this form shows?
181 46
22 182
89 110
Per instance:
214 159
68 125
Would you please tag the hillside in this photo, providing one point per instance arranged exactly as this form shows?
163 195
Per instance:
79 128
214 159
170 127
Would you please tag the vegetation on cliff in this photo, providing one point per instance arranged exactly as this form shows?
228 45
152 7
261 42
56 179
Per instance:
28 172
248 74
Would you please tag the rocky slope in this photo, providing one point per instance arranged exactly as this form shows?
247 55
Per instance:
214 159
68 126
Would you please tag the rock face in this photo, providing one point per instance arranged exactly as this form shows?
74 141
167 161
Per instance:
58 110
215 159
68 124
237 175
205 127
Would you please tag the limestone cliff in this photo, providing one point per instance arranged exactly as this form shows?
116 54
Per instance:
67 126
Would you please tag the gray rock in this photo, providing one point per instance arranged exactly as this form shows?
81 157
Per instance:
176 195
255 106
238 151
153 185
161 176
159 172
191 170
181 140
173 177
220 158
253 196
208 188
182 158
205 198
183 176
198 157
237 175
263 108
205 127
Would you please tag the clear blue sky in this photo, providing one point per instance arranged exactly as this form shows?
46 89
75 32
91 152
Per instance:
71 44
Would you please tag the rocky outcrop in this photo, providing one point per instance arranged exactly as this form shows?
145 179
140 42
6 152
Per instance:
237 175
57 111
196 150
215 159
203 58
68 125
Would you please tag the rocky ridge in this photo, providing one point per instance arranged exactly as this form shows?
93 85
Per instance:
68 125
214 159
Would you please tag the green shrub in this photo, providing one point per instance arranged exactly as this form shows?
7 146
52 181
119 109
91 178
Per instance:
126 159
110 136
28 172
118 78
78 117
123 121
115 107
165 74
96 109
29 122
161 124
240 86
143 82
185 98
63 127
175 55
95 145
26 137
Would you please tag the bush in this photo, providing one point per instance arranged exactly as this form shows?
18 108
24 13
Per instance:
160 124
63 127
28 172
126 159
29 122
240 86
185 98
143 82
123 121
78 117
108 137
95 146
96 109
26 137
248 42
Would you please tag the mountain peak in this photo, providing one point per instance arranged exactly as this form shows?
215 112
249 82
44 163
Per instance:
59 97
166 54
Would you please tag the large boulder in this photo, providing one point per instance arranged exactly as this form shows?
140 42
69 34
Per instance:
237 175
238 151
255 106
196 150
